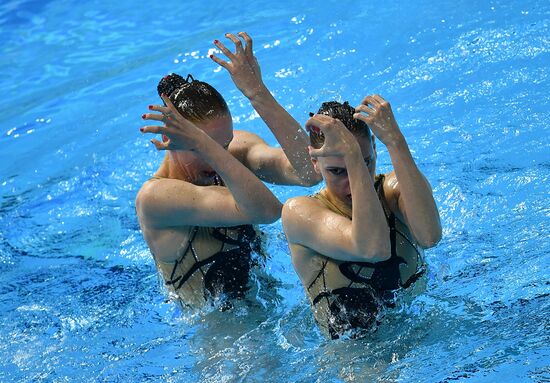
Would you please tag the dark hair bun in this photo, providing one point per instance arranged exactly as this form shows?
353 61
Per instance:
168 84
344 112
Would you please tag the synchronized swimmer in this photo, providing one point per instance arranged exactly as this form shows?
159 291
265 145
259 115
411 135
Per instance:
199 210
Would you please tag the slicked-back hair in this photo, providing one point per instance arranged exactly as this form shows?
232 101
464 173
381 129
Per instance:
195 100
343 112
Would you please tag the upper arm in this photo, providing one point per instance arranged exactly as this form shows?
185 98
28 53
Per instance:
268 163
392 193
308 223
171 202
398 206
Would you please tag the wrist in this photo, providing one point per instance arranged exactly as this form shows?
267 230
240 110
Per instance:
398 142
203 144
353 152
258 94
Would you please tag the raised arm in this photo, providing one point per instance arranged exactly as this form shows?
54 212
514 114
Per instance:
291 165
409 189
171 202
308 223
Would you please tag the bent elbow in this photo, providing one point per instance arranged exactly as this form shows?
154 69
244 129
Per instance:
431 240
270 213
380 254
376 251
275 213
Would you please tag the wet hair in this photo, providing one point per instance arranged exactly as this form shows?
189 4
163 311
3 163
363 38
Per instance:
197 101
343 112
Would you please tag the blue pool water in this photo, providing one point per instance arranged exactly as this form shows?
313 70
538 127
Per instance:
79 295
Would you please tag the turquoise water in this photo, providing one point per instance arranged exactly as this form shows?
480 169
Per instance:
79 296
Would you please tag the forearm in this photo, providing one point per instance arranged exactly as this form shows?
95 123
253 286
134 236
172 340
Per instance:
251 196
415 194
288 132
370 233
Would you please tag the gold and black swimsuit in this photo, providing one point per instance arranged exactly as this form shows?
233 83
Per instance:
356 305
224 273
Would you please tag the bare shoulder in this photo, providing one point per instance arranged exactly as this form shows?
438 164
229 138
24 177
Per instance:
145 194
391 191
242 143
297 212
244 136
154 194
243 139
301 204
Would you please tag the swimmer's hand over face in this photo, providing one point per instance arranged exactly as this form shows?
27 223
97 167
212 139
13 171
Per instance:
339 141
377 113
177 132
242 66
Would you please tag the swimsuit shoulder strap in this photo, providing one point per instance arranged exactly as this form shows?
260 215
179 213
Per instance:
390 217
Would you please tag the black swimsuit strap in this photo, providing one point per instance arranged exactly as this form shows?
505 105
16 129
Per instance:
381 269
198 265
322 294
246 231
321 272
414 278
349 273
390 217
190 240
325 293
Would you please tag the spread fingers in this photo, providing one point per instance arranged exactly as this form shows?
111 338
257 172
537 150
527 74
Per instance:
238 43
160 145
219 61
155 129
224 50
248 40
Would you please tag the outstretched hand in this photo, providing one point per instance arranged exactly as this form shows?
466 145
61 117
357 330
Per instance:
177 132
377 113
339 141
242 66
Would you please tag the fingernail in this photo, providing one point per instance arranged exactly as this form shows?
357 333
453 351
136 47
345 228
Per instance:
143 116
150 107
141 130
216 41
211 56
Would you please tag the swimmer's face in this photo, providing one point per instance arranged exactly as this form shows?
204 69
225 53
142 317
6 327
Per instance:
221 131
335 174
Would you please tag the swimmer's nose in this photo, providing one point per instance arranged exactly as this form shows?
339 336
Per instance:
348 189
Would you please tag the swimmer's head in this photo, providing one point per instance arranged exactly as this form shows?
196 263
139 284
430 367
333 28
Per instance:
197 101
205 107
343 112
